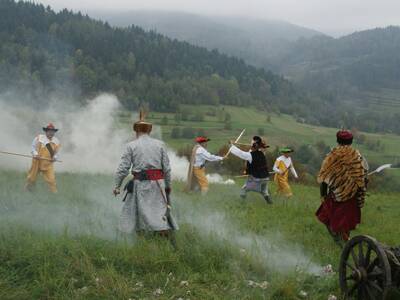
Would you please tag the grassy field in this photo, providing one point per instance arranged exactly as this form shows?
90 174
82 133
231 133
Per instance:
383 100
280 130
67 246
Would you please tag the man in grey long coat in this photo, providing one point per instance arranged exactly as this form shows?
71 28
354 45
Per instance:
146 205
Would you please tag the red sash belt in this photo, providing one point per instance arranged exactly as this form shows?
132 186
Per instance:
153 174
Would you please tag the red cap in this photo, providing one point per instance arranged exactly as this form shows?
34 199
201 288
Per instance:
201 139
50 126
344 135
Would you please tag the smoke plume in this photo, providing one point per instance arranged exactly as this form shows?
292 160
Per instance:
91 136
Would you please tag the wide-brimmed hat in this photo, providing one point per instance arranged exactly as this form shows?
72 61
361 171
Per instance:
260 142
49 127
202 139
286 150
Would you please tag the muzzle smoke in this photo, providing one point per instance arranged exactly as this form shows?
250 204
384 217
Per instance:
92 136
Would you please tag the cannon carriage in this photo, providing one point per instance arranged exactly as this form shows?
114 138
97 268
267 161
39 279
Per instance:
368 270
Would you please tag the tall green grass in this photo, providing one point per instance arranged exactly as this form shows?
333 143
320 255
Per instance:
67 246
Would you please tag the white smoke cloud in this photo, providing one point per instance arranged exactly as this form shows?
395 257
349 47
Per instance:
91 139
90 142
217 178
272 251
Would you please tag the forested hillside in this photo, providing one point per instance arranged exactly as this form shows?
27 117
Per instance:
56 51
43 52
258 42
353 81
366 60
360 71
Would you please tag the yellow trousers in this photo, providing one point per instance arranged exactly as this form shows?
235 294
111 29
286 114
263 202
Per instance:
48 176
200 175
283 187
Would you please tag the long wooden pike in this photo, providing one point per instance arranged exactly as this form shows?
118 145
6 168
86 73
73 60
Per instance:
237 140
28 156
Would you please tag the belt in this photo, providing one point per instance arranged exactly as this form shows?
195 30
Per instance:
152 174
200 167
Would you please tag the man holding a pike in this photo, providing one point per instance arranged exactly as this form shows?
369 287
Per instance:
45 148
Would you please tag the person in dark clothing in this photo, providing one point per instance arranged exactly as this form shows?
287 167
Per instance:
257 168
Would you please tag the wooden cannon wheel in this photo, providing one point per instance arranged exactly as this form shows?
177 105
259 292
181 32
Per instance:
364 270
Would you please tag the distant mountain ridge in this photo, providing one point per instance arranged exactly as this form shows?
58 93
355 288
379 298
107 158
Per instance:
256 41
365 59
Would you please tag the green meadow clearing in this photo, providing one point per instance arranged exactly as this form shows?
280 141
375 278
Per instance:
67 246
280 130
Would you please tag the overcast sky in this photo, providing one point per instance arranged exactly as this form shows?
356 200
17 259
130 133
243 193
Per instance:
329 16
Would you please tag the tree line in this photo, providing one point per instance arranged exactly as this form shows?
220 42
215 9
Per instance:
58 51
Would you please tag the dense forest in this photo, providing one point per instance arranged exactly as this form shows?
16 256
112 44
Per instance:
43 52
257 42
57 51
360 72
366 59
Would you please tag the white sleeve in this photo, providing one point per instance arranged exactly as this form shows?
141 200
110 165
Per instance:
275 168
241 154
292 169
208 156
34 147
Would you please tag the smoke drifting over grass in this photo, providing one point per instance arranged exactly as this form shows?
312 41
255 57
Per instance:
92 143
273 252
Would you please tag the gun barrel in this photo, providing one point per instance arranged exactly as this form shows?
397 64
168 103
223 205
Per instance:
25 155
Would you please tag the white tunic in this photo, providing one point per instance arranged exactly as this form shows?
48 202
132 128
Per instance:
202 155
44 140
288 163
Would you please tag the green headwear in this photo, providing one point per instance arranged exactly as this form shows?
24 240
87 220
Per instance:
286 150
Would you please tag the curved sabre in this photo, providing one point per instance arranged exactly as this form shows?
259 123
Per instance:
237 140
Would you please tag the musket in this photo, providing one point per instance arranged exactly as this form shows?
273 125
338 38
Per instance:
237 140
28 156
244 176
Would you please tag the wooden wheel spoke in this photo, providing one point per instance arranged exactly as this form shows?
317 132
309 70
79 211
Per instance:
352 290
350 266
373 265
369 292
360 292
355 260
361 259
375 286
375 274
368 255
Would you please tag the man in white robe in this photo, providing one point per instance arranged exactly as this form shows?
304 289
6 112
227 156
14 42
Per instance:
146 203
